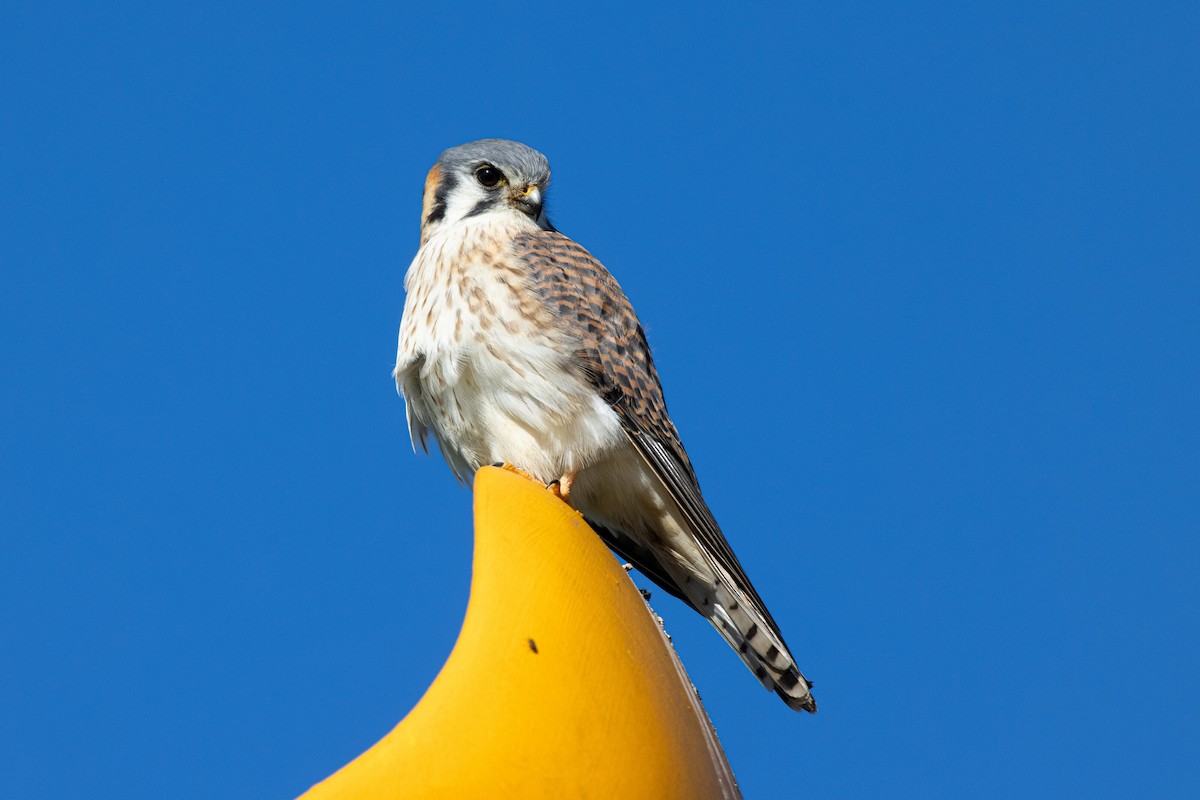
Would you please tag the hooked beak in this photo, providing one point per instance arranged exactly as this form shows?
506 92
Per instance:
529 200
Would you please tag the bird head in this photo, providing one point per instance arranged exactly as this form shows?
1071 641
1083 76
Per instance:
486 177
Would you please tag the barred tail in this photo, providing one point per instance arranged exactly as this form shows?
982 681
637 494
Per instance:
757 641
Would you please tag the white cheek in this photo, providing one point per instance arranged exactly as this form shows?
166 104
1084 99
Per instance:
463 200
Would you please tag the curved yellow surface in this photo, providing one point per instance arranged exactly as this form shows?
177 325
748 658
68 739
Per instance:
561 684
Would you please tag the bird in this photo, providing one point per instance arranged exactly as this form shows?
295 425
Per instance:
518 347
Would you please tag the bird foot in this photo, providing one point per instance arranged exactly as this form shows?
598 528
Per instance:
507 467
561 488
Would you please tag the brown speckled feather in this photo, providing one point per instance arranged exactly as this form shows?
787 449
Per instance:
612 346
614 355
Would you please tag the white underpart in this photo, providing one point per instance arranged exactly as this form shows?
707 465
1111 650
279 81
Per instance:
507 394
496 391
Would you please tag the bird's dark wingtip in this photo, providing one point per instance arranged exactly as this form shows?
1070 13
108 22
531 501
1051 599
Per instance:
805 703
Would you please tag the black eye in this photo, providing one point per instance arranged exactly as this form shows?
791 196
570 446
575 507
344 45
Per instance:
488 176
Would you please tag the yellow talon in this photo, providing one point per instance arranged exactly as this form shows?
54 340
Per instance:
561 488
507 467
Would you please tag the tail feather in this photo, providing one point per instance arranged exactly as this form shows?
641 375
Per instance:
761 648
689 547
738 616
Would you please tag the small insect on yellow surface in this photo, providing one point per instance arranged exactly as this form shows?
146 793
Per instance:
561 683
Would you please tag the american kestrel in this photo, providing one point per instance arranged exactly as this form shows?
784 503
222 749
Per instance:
518 346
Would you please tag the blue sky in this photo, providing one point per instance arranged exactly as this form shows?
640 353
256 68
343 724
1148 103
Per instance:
922 284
